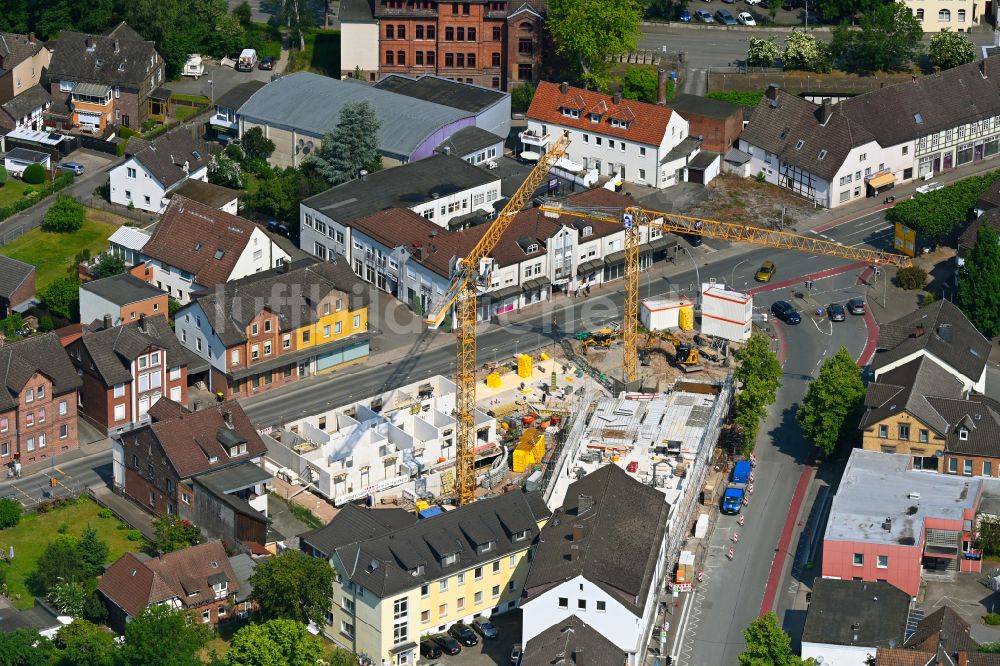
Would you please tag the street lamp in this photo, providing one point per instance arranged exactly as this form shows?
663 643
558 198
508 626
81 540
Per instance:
211 82
732 281
697 274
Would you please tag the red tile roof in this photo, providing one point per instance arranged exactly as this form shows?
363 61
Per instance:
647 122
190 235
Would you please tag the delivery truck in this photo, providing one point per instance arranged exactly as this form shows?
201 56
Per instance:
732 499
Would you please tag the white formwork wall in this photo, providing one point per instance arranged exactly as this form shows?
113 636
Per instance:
725 313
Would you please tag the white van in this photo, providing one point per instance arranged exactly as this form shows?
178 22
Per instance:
247 61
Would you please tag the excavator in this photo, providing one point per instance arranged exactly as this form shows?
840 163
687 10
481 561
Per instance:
686 355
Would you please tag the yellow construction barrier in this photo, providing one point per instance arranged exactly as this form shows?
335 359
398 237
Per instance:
529 451
543 357
685 318
422 504
493 380
524 366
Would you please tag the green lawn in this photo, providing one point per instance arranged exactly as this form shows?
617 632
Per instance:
13 190
30 537
52 254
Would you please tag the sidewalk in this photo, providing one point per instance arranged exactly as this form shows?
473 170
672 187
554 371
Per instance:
87 450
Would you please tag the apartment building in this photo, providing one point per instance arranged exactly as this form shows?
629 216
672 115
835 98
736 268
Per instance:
277 327
126 369
490 43
123 297
98 82
23 97
939 15
635 142
153 170
196 248
38 400
400 578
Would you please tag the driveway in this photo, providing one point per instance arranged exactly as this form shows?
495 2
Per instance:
487 653
218 80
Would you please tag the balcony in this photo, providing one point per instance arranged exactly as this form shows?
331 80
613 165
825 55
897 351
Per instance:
535 139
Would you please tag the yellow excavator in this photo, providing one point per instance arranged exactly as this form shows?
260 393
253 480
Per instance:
686 356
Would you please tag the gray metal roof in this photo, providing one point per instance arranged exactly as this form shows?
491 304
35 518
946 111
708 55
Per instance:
437 89
25 155
855 612
92 89
469 140
311 104
122 289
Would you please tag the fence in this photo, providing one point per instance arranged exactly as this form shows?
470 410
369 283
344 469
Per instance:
834 84
100 145
564 453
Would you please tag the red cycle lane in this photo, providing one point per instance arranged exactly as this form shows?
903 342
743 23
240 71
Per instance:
781 552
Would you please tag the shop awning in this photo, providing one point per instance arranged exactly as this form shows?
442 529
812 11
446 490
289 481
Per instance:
615 258
536 283
590 266
501 294
661 243
882 180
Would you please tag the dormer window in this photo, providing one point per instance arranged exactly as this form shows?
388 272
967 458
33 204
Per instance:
418 571
595 117
570 113
963 434
616 122
587 231
521 536
121 67
238 450
486 547
448 560
213 459
532 248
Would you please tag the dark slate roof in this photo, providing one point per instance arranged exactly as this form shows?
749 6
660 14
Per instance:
970 237
39 617
430 88
575 642
356 11
352 524
943 100
112 350
468 140
24 104
38 353
854 612
293 295
207 193
906 389
26 155
778 125
978 415
191 440
404 186
696 105
947 334
122 289
384 563
73 60
16 48
703 159
991 197
943 625
13 273
237 96
623 533
166 156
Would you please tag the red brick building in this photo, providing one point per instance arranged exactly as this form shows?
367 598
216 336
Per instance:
126 369
38 387
201 466
719 123
17 285
199 579
492 43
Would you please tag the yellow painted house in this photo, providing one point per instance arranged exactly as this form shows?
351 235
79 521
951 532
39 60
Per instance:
400 579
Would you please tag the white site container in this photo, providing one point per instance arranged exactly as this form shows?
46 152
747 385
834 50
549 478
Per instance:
658 314
726 313
701 526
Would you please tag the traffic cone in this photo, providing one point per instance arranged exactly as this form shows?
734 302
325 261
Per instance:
730 553
746 501
751 477
736 537
701 575
741 519
750 488
753 460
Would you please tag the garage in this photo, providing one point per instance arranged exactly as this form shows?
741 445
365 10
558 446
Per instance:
704 167
19 159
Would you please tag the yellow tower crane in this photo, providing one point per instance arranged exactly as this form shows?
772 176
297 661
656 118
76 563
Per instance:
472 272
632 218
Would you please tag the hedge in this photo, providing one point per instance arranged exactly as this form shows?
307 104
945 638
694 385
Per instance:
936 214
34 174
62 181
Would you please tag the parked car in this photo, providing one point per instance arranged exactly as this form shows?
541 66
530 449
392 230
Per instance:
464 634
515 656
856 306
929 187
694 240
448 644
267 62
684 15
836 312
729 2
745 18
429 649
766 272
724 17
704 16
753 2
765 4
484 627
784 311
75 167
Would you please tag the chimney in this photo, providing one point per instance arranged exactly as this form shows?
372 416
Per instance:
584 504
107 321
116 45
364 174
574 553
963 658
913 78
578 532
579 657
982 67
227 417
186 167
826 110
564 87
919 332
89 43
447 150
661 87
31 38
142 322
772 91
887 525
616 98
996 38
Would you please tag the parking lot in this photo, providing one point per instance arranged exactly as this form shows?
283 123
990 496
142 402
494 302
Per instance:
487 653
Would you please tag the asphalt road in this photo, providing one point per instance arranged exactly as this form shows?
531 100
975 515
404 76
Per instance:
72 478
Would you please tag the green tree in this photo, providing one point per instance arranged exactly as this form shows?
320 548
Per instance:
86 644
93 551
759 377
767 644
62 297
224 170
243 13
889 39
837 11
274 643
640 83
911 277
521 96
65 216
171 532
162 636
804 52
34 174
586 32
762 52
12 326
293 586
68 597
107 266
3 175
10 512
979 283
828 414
351 147
950 49
256 145
24 647
227 36
59 563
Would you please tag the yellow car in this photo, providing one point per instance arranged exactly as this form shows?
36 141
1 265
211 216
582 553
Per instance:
766 272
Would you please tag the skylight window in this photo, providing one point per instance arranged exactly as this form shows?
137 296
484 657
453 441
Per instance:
219 254
822 153
799 144
197 248
917 118
196 154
